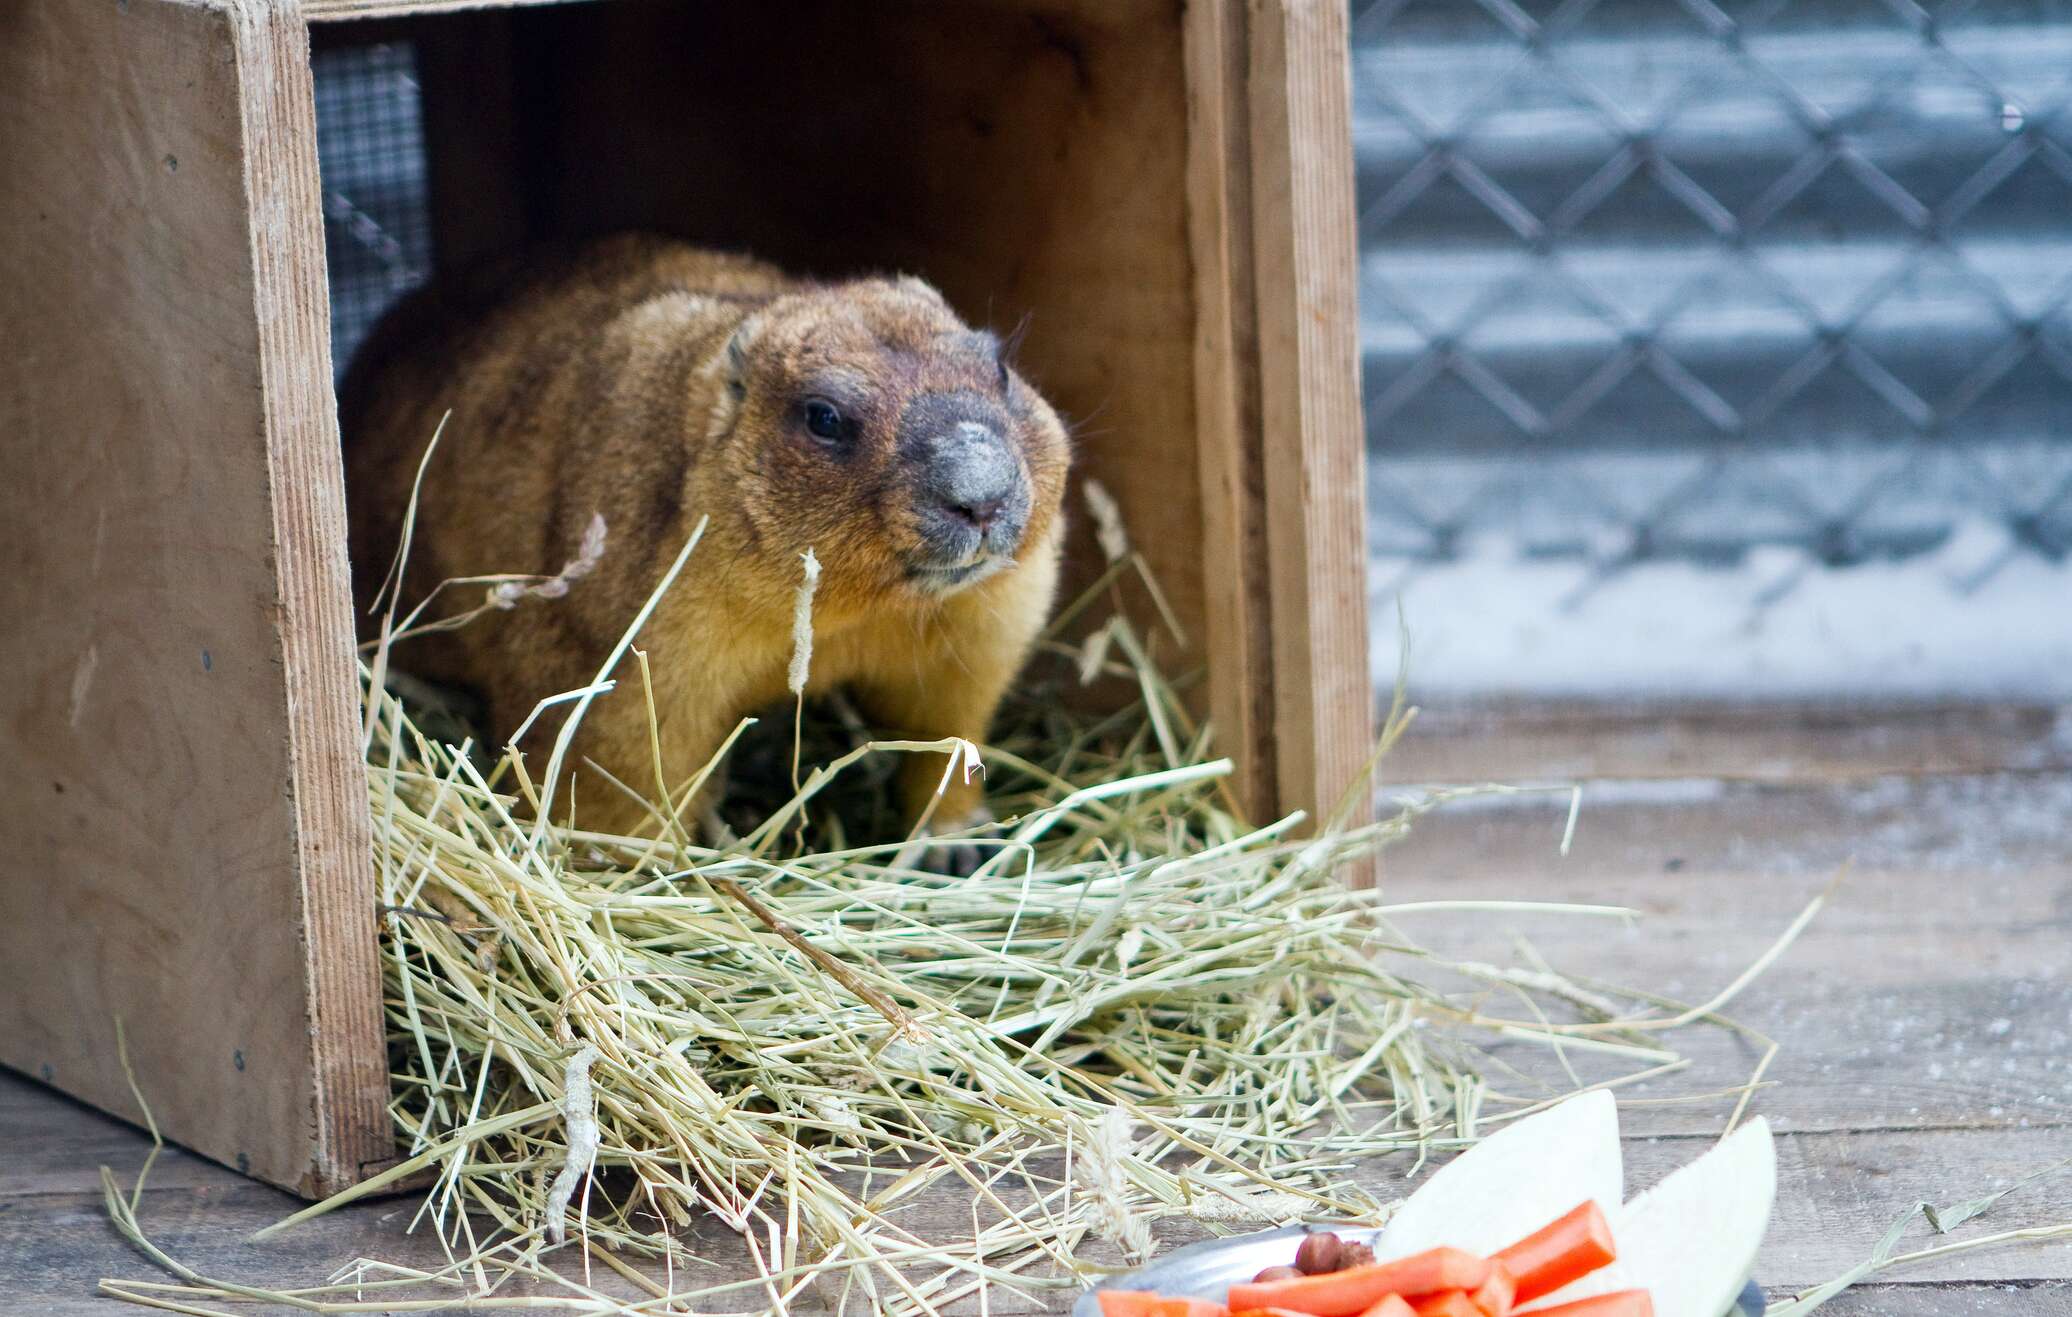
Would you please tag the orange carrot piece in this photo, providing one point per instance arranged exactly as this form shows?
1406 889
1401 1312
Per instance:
1497 1294
1395 1305
1447 1303
1128 1303
1542 1262
1144 1303
1272 1312
1354 1290
1625 1303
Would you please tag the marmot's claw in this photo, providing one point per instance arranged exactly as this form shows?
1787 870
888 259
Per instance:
959 858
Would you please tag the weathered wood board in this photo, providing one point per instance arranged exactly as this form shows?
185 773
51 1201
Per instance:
1837 1193
1524 740
1933 991
183 833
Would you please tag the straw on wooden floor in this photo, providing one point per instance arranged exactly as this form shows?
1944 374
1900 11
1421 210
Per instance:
1140 1006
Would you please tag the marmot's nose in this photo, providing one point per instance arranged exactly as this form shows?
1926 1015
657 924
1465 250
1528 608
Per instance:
981 513
975 481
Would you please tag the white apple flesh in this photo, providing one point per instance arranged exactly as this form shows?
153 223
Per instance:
1515 1181
1691 1241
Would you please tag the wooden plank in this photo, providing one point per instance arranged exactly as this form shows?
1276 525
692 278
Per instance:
1935 989
331 11
183 813
1237 618
54 1250
1479 740
1948 1300
1304 257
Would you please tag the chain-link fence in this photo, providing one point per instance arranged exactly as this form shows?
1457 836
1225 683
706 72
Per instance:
1720 346
370 151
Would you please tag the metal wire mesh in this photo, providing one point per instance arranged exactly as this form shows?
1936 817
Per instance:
1676 277
370 152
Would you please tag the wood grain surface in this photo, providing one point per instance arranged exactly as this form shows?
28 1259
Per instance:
183 835
1308 317
1516 740
1237 612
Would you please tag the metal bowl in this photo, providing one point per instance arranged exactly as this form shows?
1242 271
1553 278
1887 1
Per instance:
1207 1270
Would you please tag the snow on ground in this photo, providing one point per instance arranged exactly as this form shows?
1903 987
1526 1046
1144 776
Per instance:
1976 617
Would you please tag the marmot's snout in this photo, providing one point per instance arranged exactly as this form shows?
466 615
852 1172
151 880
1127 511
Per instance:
971 491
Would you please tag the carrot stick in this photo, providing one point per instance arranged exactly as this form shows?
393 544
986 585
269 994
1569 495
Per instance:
1144 1303
1447 1303
1542 1262
1497 1294
1625 1303
1395 1305
1354 1290
1128 1303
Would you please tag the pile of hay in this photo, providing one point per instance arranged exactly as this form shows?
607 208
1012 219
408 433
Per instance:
1140 1006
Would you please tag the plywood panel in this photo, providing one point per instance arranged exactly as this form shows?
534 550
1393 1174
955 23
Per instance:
1237 615
327 11
183 840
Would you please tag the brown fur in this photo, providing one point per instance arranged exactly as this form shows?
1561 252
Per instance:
604 384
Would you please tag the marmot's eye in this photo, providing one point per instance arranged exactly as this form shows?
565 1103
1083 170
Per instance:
823 421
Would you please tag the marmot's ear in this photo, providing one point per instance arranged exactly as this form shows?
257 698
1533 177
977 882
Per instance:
737 357
915 284
1005 350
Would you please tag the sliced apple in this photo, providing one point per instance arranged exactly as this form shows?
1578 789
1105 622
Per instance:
1515 1181
1691 1241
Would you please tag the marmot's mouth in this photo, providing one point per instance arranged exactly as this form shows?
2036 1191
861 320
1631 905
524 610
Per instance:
940 579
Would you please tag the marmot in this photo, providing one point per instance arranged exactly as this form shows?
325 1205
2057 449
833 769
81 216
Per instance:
651 383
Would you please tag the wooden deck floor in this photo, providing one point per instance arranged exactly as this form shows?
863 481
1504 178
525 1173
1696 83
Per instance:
1925 1018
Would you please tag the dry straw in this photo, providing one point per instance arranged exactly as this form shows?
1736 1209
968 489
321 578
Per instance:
1141 1006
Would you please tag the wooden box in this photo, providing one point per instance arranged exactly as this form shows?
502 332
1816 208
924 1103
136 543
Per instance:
1165 187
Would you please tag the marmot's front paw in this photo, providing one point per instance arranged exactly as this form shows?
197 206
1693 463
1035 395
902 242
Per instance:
940 848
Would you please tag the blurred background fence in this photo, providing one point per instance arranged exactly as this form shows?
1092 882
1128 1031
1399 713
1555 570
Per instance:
377 211
1719 348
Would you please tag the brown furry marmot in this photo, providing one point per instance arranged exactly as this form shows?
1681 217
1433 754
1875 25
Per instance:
652 383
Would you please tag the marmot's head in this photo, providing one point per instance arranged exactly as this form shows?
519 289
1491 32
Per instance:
871 424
